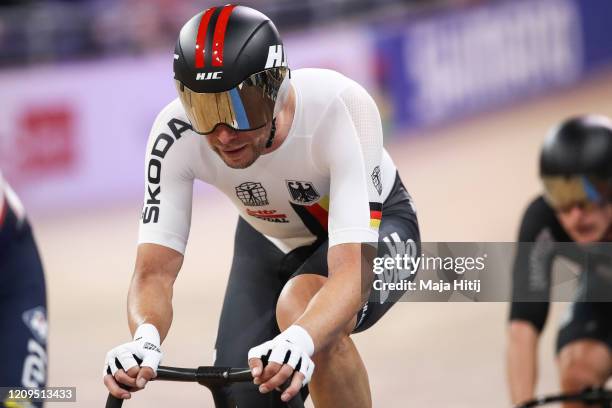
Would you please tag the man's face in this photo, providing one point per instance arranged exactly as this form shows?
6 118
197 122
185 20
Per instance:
238 149
586 224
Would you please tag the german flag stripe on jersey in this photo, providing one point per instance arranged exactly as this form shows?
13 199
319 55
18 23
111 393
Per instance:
375 214
314 216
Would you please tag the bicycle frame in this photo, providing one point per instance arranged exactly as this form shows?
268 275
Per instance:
210 377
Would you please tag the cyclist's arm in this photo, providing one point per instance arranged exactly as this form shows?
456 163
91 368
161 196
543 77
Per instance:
527 320
338 301
522 360
149 301
164 229
165 222
349 149
529 309
150 294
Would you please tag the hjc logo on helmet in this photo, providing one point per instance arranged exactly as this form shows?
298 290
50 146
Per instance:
276 57
205 76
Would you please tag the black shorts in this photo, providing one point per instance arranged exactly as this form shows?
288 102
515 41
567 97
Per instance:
23 324
586 321
258 274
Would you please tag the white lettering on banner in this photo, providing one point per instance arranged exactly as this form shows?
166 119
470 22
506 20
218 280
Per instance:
391 274
429 285
276 57
471 60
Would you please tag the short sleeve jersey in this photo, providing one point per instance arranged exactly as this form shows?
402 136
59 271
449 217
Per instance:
327 179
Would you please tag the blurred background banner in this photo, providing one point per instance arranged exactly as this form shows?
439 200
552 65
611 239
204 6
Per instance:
74 136
447 65
84 80
467 90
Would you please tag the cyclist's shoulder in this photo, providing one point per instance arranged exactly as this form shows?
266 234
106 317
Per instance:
539 208
8 198
325 86
172 141
1 189
172 125
539 216
324 76
327 99
173 111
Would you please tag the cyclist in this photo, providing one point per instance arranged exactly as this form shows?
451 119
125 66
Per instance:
23 322
300 156
576 171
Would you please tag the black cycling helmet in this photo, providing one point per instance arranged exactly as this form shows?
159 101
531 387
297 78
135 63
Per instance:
576 162
230 67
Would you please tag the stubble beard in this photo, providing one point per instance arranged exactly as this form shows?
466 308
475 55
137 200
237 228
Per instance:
256 149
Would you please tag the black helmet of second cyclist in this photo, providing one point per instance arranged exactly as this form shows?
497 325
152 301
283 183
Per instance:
230 68
576 162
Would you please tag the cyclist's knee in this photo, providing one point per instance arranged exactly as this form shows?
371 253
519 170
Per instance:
295 297
583 364
577 376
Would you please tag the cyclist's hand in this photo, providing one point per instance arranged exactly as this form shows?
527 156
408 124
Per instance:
287 356
130 373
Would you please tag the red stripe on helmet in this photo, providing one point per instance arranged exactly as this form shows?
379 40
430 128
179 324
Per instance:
200 48
219 38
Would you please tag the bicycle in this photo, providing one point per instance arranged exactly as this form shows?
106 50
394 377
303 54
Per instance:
210 377
589 396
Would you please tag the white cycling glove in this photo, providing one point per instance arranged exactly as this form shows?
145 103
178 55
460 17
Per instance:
145 346
293 347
